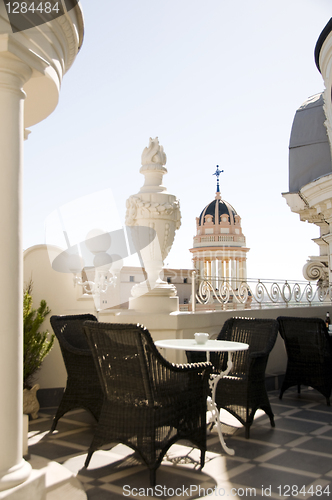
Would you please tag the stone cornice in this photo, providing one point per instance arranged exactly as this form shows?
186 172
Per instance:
49 50
318 191
74 36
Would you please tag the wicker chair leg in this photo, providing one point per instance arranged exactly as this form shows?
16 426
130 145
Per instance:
299 389
54 424
88 458
202 458
247 433
153 477
328 401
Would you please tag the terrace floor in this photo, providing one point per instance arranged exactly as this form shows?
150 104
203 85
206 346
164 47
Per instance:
294 459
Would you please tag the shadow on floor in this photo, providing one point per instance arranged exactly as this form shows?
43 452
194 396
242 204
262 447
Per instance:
292 460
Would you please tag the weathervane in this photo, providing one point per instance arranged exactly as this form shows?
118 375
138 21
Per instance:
217 173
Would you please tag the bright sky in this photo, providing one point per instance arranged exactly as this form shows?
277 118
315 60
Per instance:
218 82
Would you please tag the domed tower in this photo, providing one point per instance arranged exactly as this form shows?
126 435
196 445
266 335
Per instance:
219 249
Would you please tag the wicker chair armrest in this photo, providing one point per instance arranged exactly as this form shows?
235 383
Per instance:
180 366
178 376
193 367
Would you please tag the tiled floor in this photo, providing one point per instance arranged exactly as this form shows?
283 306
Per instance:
292 460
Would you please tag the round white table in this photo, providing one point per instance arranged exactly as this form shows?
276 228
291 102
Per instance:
209 346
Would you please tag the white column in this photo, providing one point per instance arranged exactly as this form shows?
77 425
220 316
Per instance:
14 469
227 269
220 270
243 269
213 269
220 273
233 272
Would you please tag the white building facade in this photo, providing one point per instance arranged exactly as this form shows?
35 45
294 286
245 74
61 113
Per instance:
310 164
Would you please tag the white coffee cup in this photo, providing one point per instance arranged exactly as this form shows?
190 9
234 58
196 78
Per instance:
201 338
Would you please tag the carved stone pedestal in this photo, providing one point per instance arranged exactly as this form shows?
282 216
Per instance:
159 213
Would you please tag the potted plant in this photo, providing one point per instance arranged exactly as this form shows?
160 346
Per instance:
36 345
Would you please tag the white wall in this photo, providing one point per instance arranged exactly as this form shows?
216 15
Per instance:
62 298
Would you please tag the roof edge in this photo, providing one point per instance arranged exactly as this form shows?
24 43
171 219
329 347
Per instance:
322 37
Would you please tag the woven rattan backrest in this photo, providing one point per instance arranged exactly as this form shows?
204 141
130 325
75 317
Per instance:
304 338
260 334
122 358
69 330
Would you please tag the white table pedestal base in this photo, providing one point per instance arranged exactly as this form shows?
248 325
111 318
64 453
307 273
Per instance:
209 346
211 402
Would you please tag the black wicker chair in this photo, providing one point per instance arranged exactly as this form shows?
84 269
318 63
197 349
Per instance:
309 354
242 392
149 402
83 389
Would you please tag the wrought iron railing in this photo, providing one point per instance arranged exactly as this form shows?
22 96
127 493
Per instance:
217 293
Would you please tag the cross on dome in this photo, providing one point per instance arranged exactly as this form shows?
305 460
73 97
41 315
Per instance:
217 174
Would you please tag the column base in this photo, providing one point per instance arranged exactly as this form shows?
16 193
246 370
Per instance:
14 478
47 480
34 488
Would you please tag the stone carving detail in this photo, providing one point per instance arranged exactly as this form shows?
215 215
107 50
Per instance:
316 270
154 153
136 207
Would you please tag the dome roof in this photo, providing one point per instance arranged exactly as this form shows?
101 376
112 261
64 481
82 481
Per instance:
309 146
218 230
217 208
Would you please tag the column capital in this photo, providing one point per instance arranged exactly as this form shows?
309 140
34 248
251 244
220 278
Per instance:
10 47
327 238
13 73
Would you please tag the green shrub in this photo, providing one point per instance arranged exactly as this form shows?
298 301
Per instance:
36 344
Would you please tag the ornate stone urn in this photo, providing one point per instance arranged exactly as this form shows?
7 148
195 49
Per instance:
154 208
30 401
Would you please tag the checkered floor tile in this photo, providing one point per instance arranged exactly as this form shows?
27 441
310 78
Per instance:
292 460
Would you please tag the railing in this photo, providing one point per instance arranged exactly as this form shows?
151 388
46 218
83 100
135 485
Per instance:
220 237
216 293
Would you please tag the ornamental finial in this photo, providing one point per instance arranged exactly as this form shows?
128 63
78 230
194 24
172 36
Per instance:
153 154
217 174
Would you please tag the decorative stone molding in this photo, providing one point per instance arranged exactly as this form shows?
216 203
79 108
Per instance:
153 154
138 208
73 36
317 270
313 203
